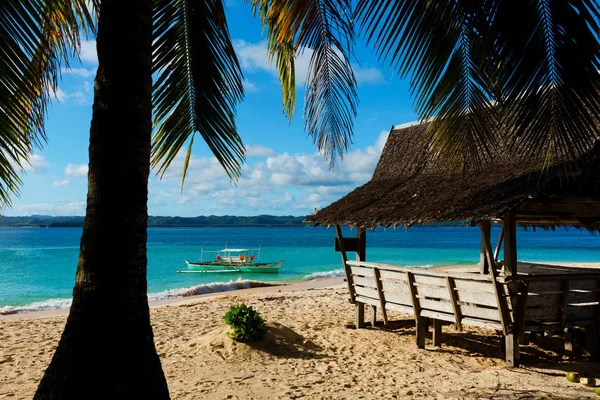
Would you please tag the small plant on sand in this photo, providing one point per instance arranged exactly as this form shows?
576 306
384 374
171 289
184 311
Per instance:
246 323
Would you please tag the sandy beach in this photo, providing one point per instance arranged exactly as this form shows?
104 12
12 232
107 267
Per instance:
312 351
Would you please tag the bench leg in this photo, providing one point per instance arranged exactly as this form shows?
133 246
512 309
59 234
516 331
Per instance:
513 357
359 315
437 332
568 335
421 328
591 342
373 315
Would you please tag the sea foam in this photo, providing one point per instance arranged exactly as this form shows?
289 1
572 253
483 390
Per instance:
214 287
325 274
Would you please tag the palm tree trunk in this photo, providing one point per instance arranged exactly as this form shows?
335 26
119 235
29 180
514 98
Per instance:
107 348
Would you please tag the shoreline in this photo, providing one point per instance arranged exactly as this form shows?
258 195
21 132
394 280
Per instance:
283 287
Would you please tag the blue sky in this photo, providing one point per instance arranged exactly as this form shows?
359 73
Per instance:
283 174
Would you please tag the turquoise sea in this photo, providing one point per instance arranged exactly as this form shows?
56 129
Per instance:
37 265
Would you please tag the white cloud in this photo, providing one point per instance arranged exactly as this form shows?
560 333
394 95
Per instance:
368 76
64 182
76 170
250 87
62 207
284 181
88 51
37 164
256 150
84 72
60 95
253 57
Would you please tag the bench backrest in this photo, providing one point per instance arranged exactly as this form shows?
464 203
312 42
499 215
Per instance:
559 301
455 297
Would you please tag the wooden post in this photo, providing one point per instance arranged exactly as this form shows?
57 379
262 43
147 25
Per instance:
513 358
359 315
373 315
591 342
437 332
510 244
486 228
377 277
453 299
420 323
568 342
347 269
499 245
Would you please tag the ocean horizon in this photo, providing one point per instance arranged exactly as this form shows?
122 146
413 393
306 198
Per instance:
37 265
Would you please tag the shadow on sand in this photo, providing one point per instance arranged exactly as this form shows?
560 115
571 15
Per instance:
284 342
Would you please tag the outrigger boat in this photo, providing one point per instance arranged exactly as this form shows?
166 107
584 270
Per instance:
232 260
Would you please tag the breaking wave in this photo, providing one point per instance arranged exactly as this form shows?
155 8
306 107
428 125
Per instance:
325 274
214 287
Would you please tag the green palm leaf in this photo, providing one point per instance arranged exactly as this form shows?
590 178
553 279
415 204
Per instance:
198 84
325 28
536 59
36 39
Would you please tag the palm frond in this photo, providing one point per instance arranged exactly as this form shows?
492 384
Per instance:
199 83
551 83
36 39
324 28
536 59
280 49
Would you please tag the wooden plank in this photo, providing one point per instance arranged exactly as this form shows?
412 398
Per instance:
359 315
588 283
418 271
361 271
398 298
347 271
366 282
434 305
437 315
547 300
480 298
553 314
392 276
552 207
421 330
399 307
486 228
565 301
419 322
453 301
472 286
510 244
583 296
395 287
491 314
381 295
581 311
430 280
482 323
432 292
367 300
348 244
366 292
437 333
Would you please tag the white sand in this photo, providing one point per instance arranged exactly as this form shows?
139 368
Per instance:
310 352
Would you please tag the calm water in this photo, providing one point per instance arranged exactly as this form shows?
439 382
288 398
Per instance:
37 265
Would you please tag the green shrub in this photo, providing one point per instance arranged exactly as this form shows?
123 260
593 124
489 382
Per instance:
246 323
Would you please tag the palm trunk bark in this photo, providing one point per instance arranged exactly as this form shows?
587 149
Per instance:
107 348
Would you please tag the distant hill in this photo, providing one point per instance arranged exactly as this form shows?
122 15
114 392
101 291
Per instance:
162 222
42 221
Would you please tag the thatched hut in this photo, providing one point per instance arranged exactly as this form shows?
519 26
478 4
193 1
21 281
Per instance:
410 187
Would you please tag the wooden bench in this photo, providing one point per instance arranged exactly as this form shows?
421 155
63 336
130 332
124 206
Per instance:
512 305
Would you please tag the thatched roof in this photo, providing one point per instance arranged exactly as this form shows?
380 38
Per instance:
410 187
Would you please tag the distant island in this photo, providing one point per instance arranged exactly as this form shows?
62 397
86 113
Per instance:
212 221
42 221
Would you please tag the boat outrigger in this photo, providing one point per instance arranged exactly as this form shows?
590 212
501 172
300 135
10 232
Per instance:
232 260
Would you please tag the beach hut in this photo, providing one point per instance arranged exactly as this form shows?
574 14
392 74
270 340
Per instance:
410 186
